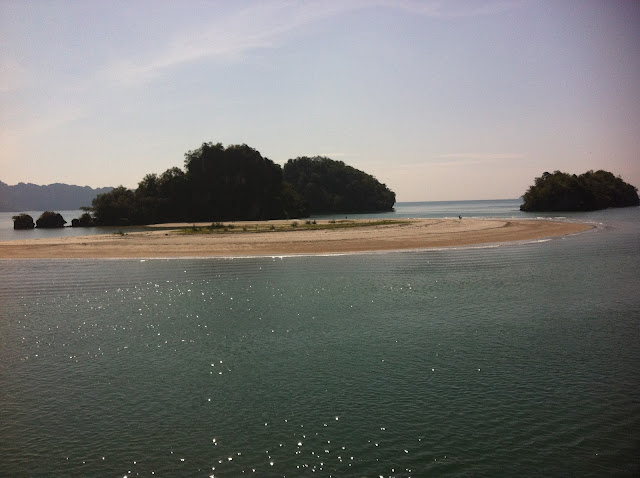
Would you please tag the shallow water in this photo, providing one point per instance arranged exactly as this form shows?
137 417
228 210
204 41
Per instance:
513 360
502 208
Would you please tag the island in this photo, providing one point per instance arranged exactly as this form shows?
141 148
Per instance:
23 221
50 220
590 191
237 183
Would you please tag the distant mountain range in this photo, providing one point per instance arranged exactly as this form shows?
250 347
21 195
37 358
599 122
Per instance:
52 197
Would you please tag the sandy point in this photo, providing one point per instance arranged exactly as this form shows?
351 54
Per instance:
286 238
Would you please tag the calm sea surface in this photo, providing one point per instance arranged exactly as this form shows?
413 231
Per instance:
516 360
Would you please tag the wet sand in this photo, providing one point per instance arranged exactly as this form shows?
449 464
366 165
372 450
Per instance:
289 240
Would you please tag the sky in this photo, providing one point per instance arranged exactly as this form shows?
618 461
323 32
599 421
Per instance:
439 100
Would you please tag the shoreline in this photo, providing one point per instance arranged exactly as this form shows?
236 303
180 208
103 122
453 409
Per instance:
354 237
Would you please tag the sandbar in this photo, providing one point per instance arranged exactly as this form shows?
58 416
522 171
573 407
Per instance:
287 239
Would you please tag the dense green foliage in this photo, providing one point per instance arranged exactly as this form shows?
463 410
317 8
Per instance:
588 192
330 186
50 219
23 221
118 207
85 220
218 184
237 183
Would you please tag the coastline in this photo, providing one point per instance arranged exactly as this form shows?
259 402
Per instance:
358 237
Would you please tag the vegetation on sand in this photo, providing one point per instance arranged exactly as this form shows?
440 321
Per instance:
220 228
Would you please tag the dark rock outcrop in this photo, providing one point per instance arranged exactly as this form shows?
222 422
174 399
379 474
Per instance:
23 221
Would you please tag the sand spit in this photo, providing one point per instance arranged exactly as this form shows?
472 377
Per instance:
260 239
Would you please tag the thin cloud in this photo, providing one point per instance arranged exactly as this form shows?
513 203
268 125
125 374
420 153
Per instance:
229 38
264 25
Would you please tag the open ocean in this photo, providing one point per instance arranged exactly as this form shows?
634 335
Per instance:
519 359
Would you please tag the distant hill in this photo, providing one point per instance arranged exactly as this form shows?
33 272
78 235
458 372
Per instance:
56 197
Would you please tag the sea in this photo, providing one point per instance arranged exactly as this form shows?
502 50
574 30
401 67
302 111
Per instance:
517 359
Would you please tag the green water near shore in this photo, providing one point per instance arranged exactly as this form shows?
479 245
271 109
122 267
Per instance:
513 360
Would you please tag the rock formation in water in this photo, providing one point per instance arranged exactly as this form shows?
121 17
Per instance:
23 221
50 219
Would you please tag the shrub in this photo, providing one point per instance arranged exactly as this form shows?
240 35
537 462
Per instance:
50 219
85 220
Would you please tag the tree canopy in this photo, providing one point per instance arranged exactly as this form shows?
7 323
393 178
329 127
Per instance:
590 191
50 219
85 220
237 183
330 186
217 184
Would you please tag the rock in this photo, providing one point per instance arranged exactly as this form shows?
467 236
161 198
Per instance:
23 221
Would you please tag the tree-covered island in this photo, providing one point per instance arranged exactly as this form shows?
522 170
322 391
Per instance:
237 183
590 191
329 186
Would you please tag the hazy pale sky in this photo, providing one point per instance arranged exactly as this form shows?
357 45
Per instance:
440 100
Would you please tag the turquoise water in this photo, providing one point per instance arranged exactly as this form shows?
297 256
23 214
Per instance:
514 360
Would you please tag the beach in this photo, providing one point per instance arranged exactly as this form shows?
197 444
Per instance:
285 238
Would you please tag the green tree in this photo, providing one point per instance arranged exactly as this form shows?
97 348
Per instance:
50 219
588 192
85 220
237 183
118 207
330 186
